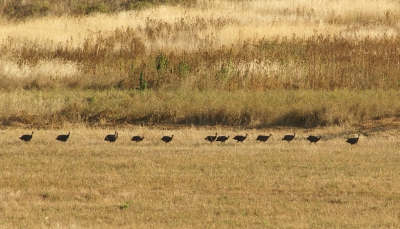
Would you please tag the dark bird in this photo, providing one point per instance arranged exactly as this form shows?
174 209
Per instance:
222 138
263 138
26 137
289 137
111 137
240 138
137 138
211 138
353 141
313 138
63 137
167 139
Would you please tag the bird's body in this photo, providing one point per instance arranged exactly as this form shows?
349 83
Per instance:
62 137
111 137
211 138
353 141
240 138
167 139
26 137
313 139
222 138
137 138
289 137
263 138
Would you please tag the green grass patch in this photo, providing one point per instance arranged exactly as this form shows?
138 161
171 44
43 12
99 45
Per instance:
300 108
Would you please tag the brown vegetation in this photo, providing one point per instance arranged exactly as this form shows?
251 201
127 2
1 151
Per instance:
197 65
193 49
317 62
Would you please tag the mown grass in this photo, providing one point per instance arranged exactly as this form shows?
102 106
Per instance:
89 183
301 108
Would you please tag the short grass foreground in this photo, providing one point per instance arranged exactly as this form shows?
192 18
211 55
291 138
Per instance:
87 182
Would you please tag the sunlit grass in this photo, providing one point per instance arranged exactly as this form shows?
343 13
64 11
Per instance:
231 45
306 17
87 182
327 68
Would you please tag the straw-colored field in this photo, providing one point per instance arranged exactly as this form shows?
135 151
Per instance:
190 183
326 68
240 20
228 45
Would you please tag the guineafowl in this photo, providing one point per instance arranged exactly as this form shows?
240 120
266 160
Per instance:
63 137
263 138
289 137
111 137
211 138
137 138
222 138
167 139
313 139
26 137
240 138
353 141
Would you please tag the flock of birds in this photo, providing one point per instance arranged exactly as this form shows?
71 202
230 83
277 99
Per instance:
211 139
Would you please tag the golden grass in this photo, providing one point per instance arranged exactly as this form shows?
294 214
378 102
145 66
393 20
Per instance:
190 183
221 63
246 20
271 44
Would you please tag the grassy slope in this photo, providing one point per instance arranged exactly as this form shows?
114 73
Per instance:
302 108
89 183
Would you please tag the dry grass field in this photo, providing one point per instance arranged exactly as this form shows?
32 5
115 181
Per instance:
190 183
193 68
228 45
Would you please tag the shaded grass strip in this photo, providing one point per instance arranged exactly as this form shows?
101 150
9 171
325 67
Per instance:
302 108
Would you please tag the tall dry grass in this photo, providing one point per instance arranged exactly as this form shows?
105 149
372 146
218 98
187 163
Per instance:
89 183
254 18
17 10
230 45
204 64
318 62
